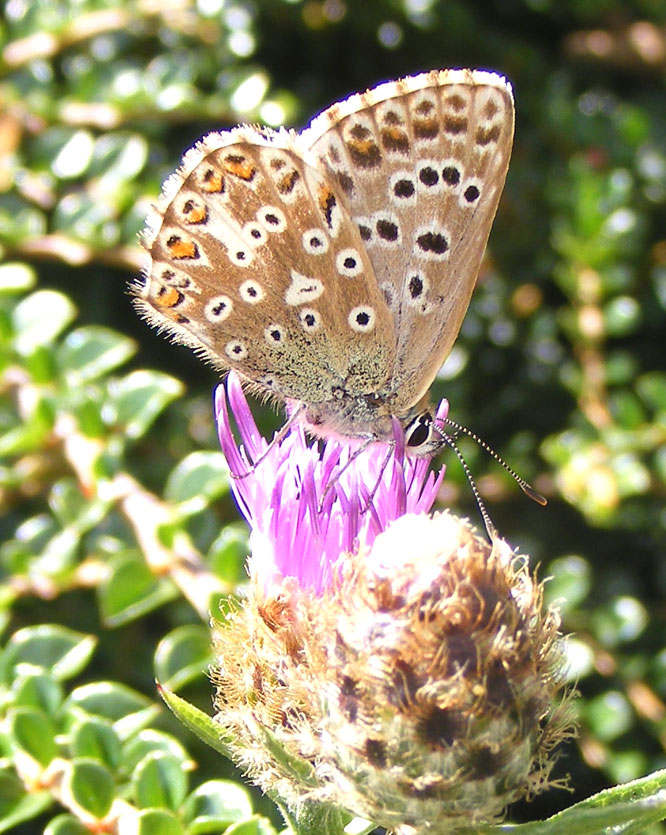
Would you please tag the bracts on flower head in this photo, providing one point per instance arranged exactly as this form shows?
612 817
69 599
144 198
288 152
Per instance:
421 689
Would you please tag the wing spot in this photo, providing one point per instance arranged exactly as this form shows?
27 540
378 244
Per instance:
194 211
218 309
423 108
348 263
364 152
251 291
240 166
362 319
287 183
404 189
471 194
169 297
365 231
392 118
180 282
487 136
417 290
451 175
415 286
387 230
235 350
432 243
302 289
212 181
274 334
426 128
490 110
272 219
180 249
395 140
241 258
428 176
455 125
328 205
315 241
455 102
310 319
256 233
346 182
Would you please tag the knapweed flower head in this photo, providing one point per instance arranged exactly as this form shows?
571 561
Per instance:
418 691
305 505
395 665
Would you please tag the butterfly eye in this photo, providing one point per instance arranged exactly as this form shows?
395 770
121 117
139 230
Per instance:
418 431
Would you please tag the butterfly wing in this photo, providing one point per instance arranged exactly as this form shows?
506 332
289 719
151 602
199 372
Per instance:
422 163
255 265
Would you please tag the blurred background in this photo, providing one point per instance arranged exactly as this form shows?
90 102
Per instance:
109 456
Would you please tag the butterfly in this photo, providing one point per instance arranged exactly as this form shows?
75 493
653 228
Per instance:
333 268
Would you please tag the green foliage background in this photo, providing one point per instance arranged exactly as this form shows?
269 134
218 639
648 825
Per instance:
116 515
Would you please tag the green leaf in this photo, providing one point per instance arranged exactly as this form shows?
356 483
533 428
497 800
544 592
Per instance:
627 809
33 430
139 397
66 825
39 690
200 723
20 220
183 656
652 388
108 699
197 480
214 805
84 217
228 553
160 781
16 805
258 825
130 589
61 651
89 786
16 277
150 741
33 732
90 352
39 318
157 822
73 154
609 715
96 739
117 157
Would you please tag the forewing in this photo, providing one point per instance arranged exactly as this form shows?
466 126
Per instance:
254 263
422 163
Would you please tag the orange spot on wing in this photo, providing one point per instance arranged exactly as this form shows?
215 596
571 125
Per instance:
179 248
169 297
240 167
212 182
194 213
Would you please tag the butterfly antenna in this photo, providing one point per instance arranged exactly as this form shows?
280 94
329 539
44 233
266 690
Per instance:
487 521
524 486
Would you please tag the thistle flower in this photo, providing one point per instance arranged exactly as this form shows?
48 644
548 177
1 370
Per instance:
406 674
305 508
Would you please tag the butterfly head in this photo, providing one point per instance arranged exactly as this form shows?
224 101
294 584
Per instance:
421 435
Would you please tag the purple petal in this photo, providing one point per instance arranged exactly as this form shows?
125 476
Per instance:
307 508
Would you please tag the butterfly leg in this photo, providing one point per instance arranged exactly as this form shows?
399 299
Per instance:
277 439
